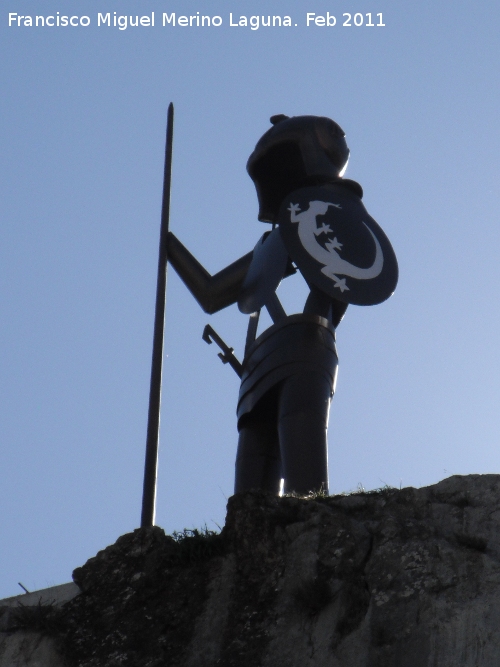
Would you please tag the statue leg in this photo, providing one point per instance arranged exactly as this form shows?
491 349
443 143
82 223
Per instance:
258 462
304 405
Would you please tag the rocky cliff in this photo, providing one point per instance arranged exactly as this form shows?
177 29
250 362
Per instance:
393 578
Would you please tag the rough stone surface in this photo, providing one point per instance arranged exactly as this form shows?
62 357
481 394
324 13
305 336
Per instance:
395 578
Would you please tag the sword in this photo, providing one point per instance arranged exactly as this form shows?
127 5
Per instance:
227 354
151 462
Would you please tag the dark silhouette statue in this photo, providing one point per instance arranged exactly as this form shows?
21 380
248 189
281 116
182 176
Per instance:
320 228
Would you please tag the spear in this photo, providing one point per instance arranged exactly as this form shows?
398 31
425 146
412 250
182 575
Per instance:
151 462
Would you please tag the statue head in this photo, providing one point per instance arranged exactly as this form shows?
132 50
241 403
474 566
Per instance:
295 152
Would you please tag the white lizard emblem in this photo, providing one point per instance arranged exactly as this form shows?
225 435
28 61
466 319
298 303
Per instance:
333 264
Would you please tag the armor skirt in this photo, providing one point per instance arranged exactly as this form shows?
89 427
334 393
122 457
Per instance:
297 344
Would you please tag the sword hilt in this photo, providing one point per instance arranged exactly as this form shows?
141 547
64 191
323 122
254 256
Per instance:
227 354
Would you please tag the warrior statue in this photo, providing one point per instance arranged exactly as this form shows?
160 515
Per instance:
320 228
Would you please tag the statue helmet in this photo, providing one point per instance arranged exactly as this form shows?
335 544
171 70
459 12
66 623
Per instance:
293 153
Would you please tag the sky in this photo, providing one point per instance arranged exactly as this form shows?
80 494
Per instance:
83 113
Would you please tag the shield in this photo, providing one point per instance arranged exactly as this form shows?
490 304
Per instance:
337 246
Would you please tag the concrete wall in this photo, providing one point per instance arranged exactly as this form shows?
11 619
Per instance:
28 649
21 648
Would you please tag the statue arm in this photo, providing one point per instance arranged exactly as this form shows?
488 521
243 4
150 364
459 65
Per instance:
212 292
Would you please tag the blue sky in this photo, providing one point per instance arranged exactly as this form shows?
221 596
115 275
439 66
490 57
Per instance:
83 121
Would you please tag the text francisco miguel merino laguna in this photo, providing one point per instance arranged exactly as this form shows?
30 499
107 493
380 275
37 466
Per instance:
122 22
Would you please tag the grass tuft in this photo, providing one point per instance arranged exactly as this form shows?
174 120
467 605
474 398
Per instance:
197 545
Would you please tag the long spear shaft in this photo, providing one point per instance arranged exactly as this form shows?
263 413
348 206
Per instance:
151 463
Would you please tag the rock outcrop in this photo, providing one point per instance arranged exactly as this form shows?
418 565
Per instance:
392 578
